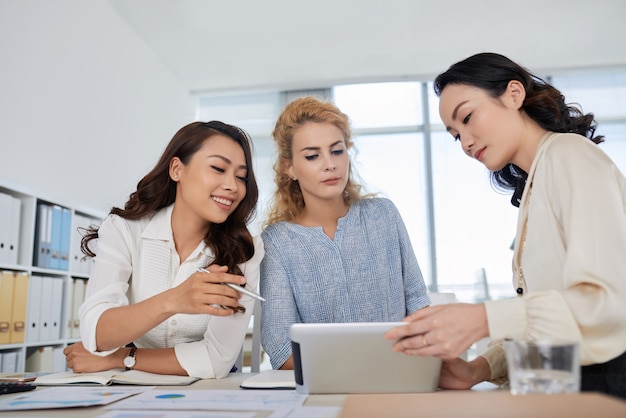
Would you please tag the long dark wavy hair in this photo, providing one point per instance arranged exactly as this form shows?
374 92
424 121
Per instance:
230 241
543 103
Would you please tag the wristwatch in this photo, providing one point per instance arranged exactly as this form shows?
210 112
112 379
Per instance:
129 360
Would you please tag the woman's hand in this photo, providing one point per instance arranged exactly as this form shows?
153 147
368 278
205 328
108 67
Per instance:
205 293
444 331
460 374
82 361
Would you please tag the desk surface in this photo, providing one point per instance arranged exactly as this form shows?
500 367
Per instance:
481 404
442 404
230 382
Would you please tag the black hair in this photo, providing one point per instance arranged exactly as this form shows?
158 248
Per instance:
543 103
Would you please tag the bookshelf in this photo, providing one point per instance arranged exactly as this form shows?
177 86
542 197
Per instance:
42 277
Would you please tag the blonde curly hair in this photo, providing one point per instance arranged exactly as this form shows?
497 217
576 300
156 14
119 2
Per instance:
288 201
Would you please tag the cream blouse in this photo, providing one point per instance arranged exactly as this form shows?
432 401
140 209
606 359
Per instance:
574 258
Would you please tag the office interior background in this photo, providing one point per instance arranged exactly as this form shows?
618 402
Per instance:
92 91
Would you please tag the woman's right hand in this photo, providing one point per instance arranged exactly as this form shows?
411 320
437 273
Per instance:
205 293
82 361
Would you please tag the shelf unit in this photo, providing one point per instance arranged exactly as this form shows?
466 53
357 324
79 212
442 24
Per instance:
66 277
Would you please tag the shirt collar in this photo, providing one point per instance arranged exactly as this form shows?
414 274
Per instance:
160 228
160 225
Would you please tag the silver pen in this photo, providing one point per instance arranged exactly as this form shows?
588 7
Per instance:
239 289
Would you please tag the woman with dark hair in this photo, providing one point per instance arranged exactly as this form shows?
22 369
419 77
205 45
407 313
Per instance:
569 260
189 213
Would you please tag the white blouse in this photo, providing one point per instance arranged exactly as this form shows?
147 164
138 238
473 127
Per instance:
136 260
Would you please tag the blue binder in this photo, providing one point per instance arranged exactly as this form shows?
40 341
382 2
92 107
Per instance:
65 232
55 245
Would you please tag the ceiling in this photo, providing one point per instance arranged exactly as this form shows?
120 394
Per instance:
252 44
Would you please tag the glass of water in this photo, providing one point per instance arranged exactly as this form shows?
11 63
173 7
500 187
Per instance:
543 366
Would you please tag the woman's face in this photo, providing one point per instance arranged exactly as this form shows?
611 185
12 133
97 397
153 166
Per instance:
213 183
320 161
489 129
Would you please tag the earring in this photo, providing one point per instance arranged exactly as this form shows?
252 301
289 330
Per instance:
293 178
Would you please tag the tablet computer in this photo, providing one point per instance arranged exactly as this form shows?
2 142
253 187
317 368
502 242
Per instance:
356 358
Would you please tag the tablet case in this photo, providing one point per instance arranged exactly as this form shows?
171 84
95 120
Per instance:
356 358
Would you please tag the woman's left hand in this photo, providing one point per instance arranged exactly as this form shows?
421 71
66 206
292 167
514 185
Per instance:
82 361
444 331
460 374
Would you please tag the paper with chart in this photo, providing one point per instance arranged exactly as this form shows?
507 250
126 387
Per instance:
66 397
176 414
308 412
224 400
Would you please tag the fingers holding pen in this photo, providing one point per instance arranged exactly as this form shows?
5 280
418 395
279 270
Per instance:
206 293
219 275
221 285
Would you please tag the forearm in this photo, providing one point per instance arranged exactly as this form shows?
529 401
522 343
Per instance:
288 365
121 325
481 370
157 360
496 359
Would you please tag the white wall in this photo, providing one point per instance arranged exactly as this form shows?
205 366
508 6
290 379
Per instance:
86 108
297 44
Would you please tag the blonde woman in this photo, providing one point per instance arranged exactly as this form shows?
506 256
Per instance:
332 253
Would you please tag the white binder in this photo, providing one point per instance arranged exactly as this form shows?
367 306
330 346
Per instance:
33 312
9 362
45 314
77 300
56 308
14 231
6 209
44 232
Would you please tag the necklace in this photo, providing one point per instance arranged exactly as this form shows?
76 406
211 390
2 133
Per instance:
517 261
521 281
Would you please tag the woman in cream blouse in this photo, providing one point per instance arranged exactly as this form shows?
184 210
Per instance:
569 262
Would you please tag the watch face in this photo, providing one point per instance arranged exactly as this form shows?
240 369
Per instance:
129 361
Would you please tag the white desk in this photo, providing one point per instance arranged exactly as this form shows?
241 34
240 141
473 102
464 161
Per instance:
231 382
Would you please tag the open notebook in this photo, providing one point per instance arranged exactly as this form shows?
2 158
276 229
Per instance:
270 379
114 376
356 358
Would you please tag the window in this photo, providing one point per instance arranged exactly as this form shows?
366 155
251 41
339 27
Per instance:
604 94
474 224
398 176
382 126
380 105
460 227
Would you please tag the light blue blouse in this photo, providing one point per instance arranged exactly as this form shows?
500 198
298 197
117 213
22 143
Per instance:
368 273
